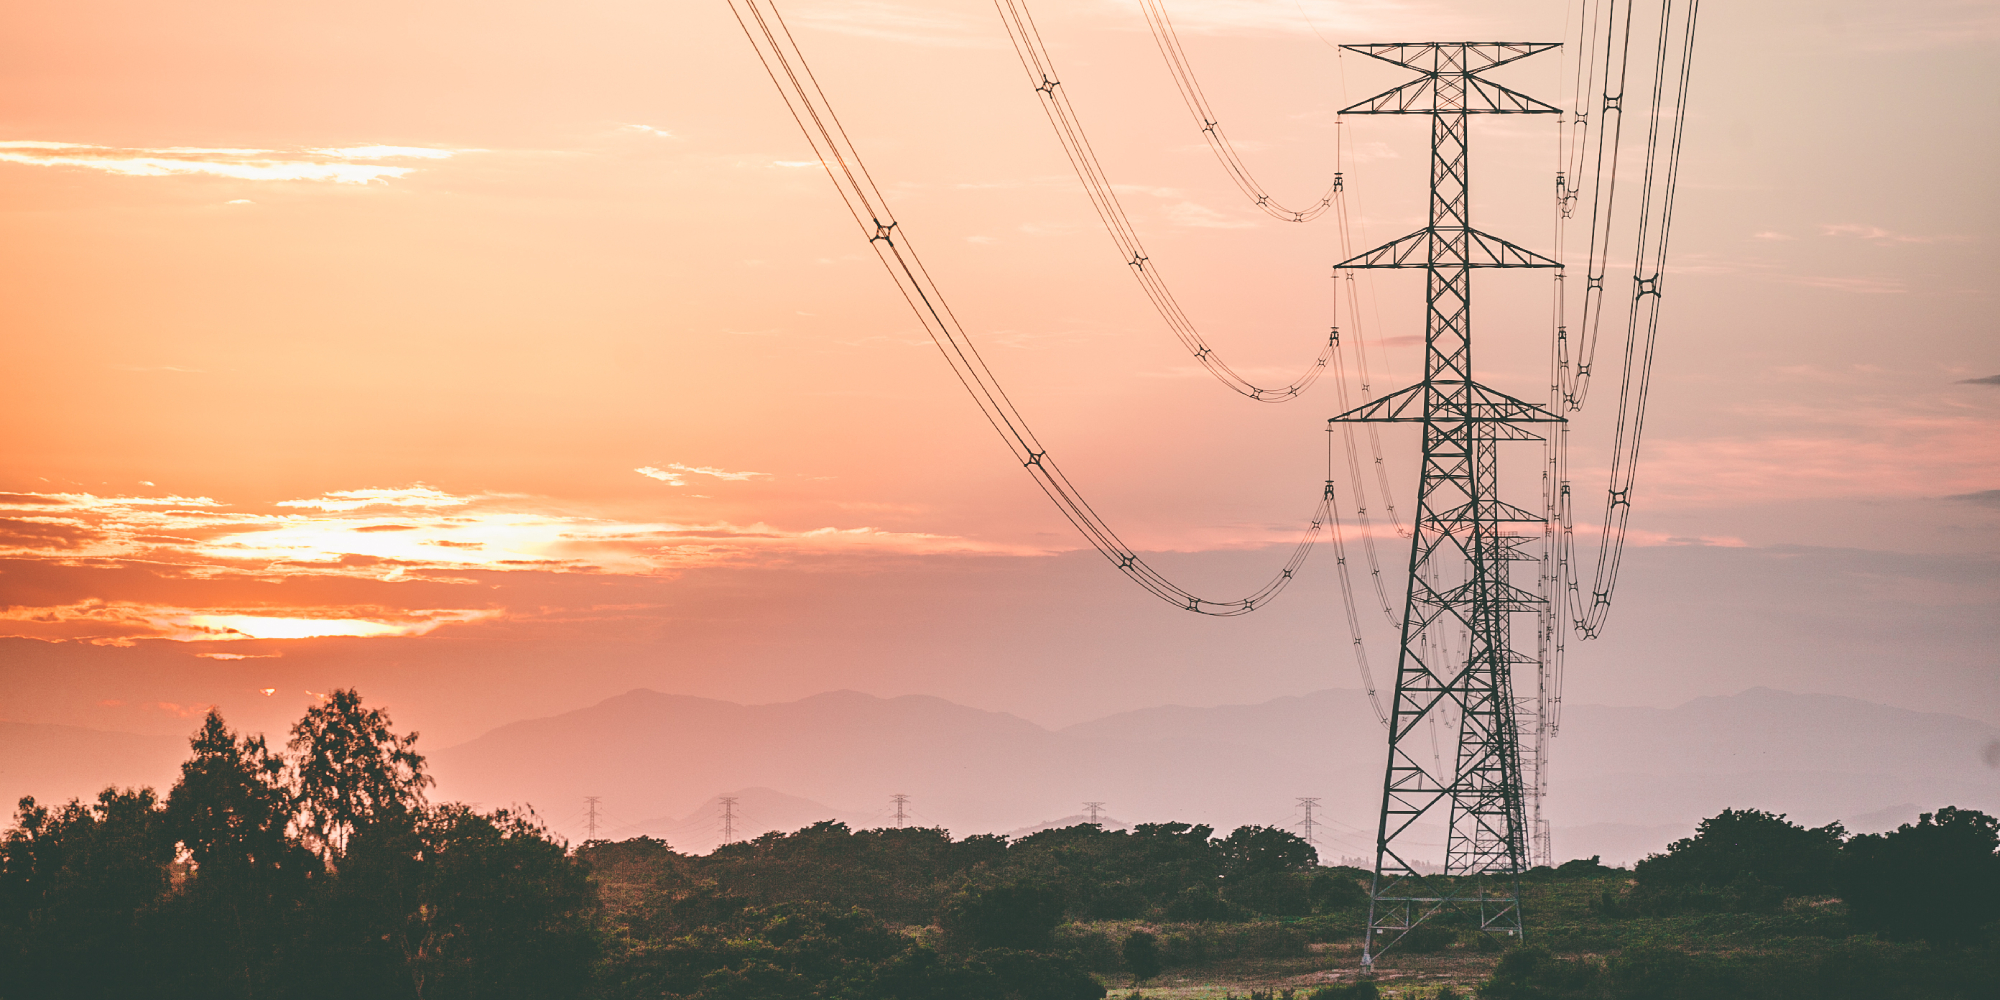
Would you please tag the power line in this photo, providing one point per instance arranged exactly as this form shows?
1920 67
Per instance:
809 107
1211 129
1042 75
1047 84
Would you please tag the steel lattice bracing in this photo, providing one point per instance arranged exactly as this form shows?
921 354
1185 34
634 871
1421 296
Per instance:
1457 660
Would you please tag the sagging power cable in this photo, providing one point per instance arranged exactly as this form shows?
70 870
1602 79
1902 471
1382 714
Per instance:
1211 128
1047 83
808 104
1673 63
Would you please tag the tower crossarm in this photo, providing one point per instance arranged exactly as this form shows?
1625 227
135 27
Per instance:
1451 80
1465 247
1474 403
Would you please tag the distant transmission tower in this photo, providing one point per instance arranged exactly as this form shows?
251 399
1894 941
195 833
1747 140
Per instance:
901 800
1457 658
1094 808
728 819
590 821
1309 803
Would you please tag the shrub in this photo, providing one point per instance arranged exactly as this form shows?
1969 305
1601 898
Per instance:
1019 915
1280 894
1198 903
1938 879
1200 944
1142 955
1044 977
1330 892
1583 867
1744 859
1091 946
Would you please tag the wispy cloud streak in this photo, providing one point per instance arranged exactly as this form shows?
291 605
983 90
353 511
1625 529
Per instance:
335 165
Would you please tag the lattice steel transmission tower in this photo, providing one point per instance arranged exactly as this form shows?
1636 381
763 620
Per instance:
728 818
1456 662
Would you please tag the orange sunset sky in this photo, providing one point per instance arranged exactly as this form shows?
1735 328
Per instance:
500 357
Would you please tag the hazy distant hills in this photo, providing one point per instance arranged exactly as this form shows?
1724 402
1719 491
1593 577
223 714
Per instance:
1625 780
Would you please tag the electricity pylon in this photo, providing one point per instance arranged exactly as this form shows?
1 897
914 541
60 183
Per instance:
1456 654
901 801
1309 803
728 818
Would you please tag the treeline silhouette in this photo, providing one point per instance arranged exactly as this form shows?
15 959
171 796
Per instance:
1755 906
322 870
318 872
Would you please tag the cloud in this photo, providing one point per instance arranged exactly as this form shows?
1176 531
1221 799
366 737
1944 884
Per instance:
17 533
703 470
414 533
413 496
1876 234
1866 450
1988 380
675 474
364 563
329 165
107 623
387 153
254 626
1984 498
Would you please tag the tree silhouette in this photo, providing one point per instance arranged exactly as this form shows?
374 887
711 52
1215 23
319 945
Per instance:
1141 953
352 771
1741 859
1937 879
231 812
74 882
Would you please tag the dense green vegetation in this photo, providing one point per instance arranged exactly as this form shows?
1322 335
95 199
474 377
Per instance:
1755 907
322 870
